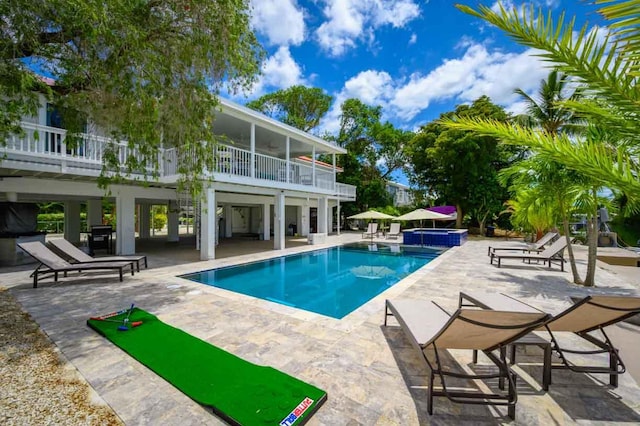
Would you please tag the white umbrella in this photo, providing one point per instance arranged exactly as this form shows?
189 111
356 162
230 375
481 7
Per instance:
371 214
422 214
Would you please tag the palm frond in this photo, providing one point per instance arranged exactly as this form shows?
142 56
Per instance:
625 26
577 52
600 162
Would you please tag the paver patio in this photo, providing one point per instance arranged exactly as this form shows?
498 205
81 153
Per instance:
371 373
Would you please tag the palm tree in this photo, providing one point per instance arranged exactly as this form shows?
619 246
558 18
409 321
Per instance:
607 67
547 114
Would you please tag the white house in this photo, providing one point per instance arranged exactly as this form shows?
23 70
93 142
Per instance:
401 194
267 180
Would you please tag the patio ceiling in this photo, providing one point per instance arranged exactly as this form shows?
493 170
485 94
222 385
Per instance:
234 121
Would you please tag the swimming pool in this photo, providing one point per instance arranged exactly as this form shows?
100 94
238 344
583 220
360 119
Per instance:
331 282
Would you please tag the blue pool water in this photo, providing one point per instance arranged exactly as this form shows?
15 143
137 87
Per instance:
330 282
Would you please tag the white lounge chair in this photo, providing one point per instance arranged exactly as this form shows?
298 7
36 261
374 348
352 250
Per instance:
372 230
394 231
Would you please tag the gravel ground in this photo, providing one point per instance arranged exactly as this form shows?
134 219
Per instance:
38 387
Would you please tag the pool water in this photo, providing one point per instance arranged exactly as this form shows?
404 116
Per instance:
331 282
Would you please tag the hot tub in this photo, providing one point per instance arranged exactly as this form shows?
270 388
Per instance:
438 237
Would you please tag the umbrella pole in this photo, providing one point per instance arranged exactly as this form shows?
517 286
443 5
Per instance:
421 234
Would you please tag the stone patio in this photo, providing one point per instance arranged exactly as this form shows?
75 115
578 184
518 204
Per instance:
371 373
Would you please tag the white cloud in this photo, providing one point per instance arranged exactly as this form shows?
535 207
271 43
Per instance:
351 20
281 21
413 38
279 71
458 80
478 72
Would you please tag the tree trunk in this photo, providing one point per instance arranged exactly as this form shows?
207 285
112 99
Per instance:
459 216
572 259
592 241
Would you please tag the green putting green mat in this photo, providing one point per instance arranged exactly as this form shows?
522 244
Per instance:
240 392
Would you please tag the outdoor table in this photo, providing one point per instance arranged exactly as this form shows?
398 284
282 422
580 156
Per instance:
530 339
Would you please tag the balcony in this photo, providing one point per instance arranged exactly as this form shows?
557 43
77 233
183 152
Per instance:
43 149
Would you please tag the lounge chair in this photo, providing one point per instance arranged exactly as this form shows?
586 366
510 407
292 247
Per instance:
551 254
538 246
587 314
78 256
51 263
428 326
372 230
394 231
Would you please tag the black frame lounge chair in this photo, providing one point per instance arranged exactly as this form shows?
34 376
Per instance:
538 246
553 253
78 256
587 314
51 263
428 326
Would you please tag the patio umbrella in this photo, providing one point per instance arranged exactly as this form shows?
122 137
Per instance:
371 215
422 214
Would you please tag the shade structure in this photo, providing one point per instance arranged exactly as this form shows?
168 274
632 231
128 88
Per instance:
422 214
371 214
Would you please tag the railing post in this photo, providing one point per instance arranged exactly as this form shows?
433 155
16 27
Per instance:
253 150
288 159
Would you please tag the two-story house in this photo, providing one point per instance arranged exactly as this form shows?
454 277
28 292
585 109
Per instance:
266 181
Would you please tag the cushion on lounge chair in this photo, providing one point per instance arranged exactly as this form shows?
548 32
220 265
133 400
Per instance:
429 326
586 315
53 264
79 256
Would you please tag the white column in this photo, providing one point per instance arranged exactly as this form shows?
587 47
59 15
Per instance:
322 215
304 219
94 213
173 222
313 166
333 161
125 223
288 159
278 222
228 224
12 197
208 225
253 150
338 224
144 220
266 221
72 221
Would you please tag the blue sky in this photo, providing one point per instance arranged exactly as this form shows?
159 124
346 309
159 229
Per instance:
414 58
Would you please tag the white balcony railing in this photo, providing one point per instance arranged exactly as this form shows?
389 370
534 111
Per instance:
43 144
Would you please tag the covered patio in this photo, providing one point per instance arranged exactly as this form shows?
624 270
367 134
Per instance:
371 373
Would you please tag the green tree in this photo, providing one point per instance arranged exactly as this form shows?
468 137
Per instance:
553 180
608 69
461 167
147 72
375 150
298 106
